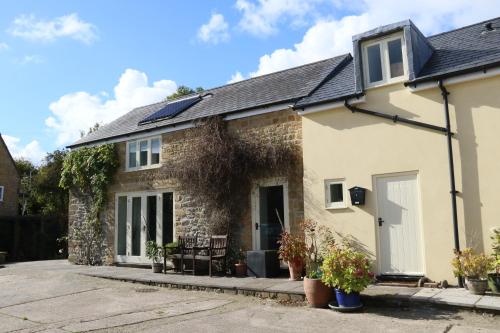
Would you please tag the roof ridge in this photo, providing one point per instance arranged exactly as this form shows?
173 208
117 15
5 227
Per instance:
465 27
273 73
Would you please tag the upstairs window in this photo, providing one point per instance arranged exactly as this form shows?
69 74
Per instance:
143 154
384 61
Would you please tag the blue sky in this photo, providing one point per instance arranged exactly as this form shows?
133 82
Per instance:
67 64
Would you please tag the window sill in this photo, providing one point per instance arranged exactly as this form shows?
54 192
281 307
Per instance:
385 84
335 207
149 167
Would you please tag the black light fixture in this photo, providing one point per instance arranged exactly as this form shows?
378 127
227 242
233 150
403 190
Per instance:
357 195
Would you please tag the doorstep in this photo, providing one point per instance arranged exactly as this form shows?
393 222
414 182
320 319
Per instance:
284 289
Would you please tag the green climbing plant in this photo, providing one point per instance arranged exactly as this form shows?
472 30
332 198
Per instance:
87 173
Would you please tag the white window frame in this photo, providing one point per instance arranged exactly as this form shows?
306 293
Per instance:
2 191
384 58
138 154
328 200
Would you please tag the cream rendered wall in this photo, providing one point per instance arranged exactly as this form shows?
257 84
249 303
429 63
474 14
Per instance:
357 147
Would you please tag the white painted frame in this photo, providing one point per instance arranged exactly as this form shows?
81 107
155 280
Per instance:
138 154
128 258
2 191
328 200
384 58
420 220
255 201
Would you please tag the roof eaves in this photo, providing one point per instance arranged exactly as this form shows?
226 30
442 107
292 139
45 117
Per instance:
10 156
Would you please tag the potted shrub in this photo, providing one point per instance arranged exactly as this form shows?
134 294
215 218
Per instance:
240 266
348 271
494 278
154 252
170 249
292 250
318 294
474 267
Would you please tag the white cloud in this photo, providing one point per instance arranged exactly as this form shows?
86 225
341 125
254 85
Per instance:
236 77
78 111
4 46
32 151
215 31
331 37
29 59
262 17
70 26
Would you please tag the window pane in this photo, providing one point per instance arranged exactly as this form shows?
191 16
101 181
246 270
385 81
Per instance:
122 226
395 57
374 63
132 150
151 223
336 193
136 226
155 151
144 153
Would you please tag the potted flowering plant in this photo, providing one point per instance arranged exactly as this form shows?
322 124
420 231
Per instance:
349 272
474 267
240 266
494 278
154 252
292 250
318 239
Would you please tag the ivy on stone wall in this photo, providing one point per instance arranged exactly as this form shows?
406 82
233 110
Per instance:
87 173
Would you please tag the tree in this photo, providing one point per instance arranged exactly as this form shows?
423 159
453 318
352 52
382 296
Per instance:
184 91
27 171
91 130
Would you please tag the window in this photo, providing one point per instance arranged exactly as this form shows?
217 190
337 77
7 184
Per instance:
1 193
384 61
335 194
143 154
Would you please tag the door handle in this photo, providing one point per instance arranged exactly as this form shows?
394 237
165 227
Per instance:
380 221
256 226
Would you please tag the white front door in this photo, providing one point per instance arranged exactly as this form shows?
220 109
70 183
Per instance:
400 239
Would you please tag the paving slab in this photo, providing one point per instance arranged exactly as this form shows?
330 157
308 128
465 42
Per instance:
425 294
456 297
488 302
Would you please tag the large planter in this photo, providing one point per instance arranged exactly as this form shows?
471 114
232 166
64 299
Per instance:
157 267
240 269
345 300
318 294
296 267
477 286
494 282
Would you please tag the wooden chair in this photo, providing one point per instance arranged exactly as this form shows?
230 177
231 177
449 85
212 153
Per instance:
217 252
187 245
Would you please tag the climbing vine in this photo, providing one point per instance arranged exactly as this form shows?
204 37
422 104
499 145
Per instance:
87 173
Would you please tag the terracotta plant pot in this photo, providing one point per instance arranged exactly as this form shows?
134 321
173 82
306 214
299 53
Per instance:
240 269
296 267
317 293
494 282
477 286
157 267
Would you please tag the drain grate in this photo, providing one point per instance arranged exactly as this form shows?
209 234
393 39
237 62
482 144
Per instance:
145 290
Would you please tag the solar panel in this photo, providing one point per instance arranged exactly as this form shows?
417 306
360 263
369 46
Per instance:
171 110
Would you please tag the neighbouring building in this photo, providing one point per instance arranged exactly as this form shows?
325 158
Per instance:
410 119
9 182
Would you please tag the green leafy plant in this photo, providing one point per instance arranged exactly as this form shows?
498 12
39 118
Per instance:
87 173
292 248
241 257
170 248
471 265
346 269
153 251
495 246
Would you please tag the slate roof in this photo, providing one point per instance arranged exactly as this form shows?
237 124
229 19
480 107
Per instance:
465 49
286 86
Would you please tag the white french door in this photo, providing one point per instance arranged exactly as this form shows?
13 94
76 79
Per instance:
140 217
400 236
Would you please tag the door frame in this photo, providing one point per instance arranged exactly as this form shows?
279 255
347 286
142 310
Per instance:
420 220
159 223
255 202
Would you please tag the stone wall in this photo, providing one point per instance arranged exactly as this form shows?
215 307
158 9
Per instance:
9 179
191 216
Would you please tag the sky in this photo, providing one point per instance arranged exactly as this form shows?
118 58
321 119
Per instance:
66 65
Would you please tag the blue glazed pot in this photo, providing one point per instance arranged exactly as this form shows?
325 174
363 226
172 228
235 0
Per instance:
346 300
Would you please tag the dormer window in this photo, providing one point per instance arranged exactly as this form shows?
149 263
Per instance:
384 60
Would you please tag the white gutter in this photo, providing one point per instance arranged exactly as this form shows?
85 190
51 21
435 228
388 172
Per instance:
482 74
330 106
246 114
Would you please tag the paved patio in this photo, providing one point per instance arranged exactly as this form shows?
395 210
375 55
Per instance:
282 288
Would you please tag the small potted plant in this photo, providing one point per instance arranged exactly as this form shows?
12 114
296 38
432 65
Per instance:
154 252
169 250
494 278
292 250
474 267
318 294
240 266
349 272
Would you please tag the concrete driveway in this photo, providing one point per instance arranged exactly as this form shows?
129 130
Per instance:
50 296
